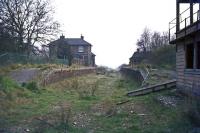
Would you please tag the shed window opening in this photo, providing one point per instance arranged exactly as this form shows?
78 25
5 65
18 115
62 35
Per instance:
190 56
80 49
198 56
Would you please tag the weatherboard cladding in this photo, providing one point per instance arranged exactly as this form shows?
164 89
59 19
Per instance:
187 82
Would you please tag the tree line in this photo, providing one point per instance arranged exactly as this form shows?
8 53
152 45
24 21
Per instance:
25 23
150 41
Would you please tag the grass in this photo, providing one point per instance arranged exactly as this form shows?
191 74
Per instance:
4 70
96 112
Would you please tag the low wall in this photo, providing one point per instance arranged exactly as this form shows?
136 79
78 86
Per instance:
132 73
58 75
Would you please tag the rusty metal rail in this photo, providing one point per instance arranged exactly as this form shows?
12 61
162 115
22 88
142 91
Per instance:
159 87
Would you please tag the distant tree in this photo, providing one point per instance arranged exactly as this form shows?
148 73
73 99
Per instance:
149 41
165 39
64 52
156 40
7 40
141 45
69 55
144 41
30 20
146 37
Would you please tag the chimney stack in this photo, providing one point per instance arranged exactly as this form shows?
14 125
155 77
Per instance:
82 37
62 37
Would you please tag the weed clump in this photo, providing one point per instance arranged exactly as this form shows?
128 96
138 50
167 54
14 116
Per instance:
84 89
7 84
32 86
58 118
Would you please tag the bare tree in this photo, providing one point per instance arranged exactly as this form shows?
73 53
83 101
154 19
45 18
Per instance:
152 40
30 20
141 45
156 40
7 40
145 39
165 38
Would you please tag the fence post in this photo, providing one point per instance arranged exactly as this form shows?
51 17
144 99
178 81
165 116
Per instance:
169 33
185 25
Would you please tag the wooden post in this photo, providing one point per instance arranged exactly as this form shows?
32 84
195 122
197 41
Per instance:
185 25
169 33
198 14
165 86
177 16
195 55
191 11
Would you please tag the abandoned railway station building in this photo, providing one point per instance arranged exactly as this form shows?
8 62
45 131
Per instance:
78 49
185 33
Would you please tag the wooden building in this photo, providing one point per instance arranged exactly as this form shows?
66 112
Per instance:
185 33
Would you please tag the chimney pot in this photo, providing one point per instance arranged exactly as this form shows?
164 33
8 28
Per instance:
82 37
62 37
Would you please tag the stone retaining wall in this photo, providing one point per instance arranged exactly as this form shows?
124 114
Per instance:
132 73
58 75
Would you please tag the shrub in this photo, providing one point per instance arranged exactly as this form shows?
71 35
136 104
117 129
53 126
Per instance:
15 66
58 118
163 57
84 89
32 86
94 87
9 89
7 84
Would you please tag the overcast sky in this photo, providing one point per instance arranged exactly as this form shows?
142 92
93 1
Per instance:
113 26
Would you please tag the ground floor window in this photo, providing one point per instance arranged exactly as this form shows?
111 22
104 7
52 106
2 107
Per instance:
190 56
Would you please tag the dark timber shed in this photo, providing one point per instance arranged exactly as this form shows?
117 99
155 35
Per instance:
185 33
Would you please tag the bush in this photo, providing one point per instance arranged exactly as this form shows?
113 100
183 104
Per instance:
58 119
32 86
94 87
163 57
7 84
9 89
84 89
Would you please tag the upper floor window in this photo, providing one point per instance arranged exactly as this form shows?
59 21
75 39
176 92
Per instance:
80 49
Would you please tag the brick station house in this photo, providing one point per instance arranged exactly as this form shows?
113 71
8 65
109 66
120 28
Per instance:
77 48
185 34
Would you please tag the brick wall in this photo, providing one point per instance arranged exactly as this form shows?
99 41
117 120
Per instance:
59 75
133 74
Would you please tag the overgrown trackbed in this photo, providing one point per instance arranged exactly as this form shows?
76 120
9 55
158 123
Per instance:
89 104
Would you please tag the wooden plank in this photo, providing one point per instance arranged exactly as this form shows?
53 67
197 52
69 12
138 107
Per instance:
154 88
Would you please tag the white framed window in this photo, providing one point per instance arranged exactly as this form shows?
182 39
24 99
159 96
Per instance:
81 49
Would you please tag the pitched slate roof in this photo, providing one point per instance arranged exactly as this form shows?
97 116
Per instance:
71 41
77 41
188 1
93 54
